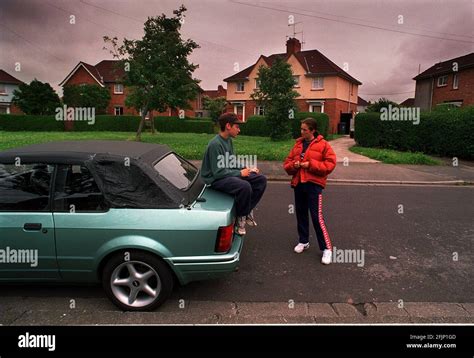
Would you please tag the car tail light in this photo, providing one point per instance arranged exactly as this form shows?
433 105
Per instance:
224 238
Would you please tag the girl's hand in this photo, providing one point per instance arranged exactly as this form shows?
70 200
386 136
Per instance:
305 165
296 164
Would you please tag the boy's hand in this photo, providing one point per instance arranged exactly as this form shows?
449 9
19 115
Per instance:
255 170
245 172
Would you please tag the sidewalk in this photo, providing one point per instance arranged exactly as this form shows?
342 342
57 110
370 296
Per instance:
362 170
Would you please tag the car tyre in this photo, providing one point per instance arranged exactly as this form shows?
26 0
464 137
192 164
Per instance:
137 280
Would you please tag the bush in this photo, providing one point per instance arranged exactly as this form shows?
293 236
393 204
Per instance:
440 132
322 120
255 126
9 122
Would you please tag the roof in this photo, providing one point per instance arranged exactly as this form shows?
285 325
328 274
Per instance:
82 150
446 67
106 71
313 61
7 78
361 101
409 102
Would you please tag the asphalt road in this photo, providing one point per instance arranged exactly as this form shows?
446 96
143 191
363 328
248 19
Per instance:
424 254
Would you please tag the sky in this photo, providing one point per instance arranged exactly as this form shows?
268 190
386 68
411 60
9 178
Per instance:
382 43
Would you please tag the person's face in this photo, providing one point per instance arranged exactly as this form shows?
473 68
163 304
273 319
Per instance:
233 129
306 133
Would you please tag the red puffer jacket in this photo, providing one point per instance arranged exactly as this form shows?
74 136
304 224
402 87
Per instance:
321 158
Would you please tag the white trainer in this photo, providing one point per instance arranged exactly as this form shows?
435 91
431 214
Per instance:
327 256
301 247
240 223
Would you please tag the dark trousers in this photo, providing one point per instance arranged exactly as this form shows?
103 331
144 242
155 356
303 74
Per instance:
308 196
247 191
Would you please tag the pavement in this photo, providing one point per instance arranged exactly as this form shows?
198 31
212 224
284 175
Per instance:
357 169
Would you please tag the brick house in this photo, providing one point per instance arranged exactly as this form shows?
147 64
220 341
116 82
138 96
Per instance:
322 85
441 84
8 84
200 111
107 74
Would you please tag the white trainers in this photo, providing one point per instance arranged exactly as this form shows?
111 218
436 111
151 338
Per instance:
327 256
301 247
240 223
250 220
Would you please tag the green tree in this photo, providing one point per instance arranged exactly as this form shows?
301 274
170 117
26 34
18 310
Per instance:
36 98
381 103
277 95
157 71
87 95
215 106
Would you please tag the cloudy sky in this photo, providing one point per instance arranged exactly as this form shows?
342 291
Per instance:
383 41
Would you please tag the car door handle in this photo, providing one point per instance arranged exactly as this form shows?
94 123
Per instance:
32 227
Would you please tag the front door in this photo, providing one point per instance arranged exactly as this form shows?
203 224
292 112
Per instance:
27 241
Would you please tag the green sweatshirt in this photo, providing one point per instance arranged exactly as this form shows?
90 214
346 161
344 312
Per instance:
215 162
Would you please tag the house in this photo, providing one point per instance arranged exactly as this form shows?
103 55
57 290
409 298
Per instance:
199 108
109 74
8 84
322 85
448 82
362 104
409 102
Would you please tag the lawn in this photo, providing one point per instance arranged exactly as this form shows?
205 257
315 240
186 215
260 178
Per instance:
389 156
189 145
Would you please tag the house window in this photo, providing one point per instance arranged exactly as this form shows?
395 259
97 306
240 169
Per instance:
239 110
257 83
260 111
455 81
316 107
318 83
240 87
297 81
352 89
3 90
118 88
442 81
118 111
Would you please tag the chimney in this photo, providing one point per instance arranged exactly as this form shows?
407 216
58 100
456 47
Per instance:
293 45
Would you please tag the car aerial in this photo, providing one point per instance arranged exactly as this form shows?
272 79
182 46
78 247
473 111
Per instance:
134 216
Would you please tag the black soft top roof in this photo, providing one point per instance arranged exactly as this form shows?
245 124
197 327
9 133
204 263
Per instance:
137 185
82 150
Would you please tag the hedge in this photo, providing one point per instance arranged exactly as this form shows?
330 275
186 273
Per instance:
440 132
9 122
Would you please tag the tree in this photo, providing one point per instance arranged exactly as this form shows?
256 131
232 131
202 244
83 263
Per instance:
36 98
277 95
215 106
157 71
87 95
381 103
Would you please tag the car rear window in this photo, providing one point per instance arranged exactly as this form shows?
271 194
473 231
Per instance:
177 171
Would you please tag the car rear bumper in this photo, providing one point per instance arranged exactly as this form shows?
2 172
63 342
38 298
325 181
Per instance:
197 268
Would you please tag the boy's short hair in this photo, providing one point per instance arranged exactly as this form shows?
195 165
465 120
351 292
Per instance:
228 117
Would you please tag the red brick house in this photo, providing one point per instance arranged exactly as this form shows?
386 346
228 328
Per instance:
322 85
451 81
107 74
8 84
200 111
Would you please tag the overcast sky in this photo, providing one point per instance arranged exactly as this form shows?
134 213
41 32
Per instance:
380 52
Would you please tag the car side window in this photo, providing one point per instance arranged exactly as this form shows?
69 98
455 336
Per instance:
25 187
77 191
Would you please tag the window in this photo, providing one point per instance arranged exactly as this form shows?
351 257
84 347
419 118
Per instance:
297 81
25 187
257 83
177 171
118 111
3 89
318 83
240 87
352 88
77 191
442 81
260 111
118 88
455 81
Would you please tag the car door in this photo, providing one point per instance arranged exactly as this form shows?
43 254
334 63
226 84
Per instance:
27 241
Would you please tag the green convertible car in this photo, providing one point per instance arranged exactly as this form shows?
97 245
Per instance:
133 216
